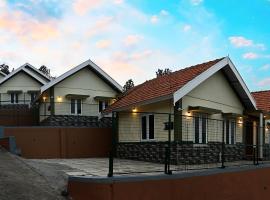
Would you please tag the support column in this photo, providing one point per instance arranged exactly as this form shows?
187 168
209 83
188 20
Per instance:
52 100
178 121
261 136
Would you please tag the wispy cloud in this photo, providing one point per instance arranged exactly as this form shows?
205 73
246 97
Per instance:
186 28
240 41
154 19
102 44
264 82
265 67
132 40
250 56
196 2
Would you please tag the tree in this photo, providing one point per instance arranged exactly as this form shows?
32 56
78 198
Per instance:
4 68
128 85
45 70
161 72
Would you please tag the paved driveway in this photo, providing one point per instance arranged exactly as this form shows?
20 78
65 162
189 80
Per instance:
19 181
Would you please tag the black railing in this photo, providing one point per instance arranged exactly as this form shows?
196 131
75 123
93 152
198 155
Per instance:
164 142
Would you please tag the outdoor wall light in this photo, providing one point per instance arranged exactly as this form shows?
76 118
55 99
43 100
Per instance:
134 109
240 121
44 98
59 98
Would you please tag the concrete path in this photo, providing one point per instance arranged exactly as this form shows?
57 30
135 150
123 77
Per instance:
19 181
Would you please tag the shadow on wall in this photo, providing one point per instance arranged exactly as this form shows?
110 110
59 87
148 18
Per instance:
61 142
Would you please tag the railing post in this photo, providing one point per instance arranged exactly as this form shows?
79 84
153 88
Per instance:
257 147
113 149
223 145
168 149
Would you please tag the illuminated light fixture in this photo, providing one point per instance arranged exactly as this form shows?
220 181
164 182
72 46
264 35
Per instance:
134 109
59 98
240 121
44 98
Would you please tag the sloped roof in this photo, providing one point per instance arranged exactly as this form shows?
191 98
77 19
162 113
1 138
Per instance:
31 71
179 83
92 66
262 99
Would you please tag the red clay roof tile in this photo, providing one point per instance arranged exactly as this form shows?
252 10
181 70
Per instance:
262 99
161 86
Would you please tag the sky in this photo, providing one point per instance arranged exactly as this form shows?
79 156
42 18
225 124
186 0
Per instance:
133 38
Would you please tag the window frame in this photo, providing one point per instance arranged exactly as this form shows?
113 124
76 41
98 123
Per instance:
104 105
76 106
230 122
148 127
201 117
14 98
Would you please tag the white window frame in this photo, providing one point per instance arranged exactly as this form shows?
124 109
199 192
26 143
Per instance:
103 105
201 116
147 128
230 131
76 107
16 96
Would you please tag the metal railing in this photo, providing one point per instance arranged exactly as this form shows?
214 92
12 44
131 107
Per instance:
148 142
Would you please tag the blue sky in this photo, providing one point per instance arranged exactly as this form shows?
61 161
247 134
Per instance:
132 38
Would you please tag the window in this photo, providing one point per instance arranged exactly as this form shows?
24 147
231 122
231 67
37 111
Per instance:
103 105
230 131
14 98
76 106
200 128
148 126
33 96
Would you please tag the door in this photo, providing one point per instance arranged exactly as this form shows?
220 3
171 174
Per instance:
249 138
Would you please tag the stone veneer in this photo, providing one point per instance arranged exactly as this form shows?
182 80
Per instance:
77 121
181 153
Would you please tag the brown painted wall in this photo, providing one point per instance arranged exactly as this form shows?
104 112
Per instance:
18 116
251 185
4 142
50 142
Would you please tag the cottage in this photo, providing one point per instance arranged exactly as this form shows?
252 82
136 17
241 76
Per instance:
202 106
78 96
22 85
262 99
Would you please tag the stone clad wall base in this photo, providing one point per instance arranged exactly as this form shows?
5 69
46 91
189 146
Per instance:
77 121
181 153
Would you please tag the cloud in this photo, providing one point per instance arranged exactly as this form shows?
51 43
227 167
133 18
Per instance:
81 7
132 40
141 55
264 82
239 41
250 56
186 28
118 1
164 12
102 44
265 67
196 2
27 28
154 19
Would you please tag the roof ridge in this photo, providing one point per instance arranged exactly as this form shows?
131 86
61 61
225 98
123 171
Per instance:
184 69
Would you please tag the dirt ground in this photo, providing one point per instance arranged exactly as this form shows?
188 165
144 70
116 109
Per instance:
20 181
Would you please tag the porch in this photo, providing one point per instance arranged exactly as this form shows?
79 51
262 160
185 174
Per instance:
197 142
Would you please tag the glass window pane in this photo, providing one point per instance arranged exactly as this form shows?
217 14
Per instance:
79 106
72 106
197 131
151 127
144 127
